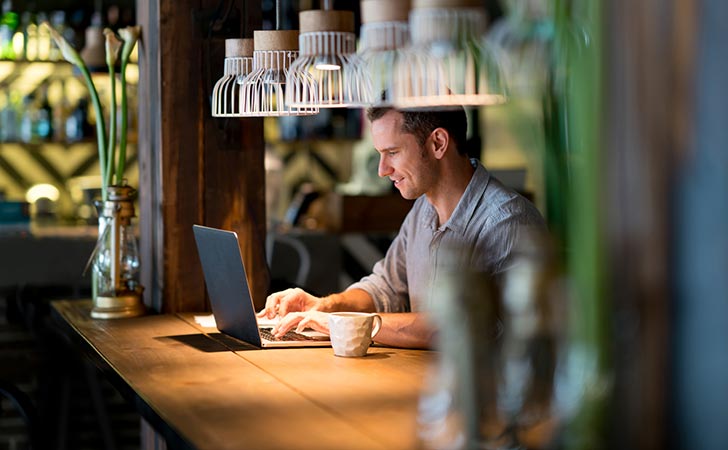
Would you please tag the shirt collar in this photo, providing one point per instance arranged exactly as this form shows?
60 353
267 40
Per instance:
470 199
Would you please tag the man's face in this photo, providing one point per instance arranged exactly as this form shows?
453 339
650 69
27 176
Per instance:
401 158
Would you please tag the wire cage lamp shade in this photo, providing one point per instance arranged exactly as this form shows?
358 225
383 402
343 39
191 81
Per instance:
226 94
384 32
328 73
263 90
449 62
525 35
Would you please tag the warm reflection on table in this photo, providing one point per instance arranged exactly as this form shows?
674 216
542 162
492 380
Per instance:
203 390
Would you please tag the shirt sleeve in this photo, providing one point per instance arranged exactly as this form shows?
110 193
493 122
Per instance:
387 285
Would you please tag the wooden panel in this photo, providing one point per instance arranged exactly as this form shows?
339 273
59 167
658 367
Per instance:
193 168
151 245
650 61
234 186
181 120
193 387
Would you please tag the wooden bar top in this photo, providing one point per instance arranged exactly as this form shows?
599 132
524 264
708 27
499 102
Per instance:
203 390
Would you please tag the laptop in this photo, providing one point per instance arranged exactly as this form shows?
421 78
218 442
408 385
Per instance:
230 298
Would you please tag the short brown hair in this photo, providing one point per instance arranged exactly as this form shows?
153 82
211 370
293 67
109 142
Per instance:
420 123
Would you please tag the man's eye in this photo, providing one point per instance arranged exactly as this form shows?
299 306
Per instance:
391 153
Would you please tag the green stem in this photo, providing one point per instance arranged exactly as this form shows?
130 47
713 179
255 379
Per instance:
100 128
122 142
110 166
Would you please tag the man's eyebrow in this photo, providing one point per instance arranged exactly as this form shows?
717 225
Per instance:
386 149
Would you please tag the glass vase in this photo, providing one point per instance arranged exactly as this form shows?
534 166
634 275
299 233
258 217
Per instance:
116 288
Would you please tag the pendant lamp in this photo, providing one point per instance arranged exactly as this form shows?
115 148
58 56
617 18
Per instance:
384 31
264 89
525 34
328 73
449 62
226 95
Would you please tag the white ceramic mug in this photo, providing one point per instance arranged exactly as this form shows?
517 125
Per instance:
352 332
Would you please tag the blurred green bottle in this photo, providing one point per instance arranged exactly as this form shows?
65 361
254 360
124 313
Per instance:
8 25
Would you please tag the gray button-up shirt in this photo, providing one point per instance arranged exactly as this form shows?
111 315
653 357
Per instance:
483 230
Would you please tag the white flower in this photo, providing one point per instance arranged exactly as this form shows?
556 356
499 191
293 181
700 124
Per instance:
130 35
113 44
69 53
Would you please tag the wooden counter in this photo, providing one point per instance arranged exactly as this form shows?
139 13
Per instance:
203 390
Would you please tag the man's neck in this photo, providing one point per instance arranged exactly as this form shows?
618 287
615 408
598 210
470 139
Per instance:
454 181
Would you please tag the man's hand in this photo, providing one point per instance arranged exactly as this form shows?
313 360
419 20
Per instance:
290 300
316 320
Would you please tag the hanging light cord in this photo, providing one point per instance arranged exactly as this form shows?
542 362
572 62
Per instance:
278 15
245 19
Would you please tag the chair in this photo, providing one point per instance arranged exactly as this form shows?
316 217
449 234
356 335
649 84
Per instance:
24 406
289 260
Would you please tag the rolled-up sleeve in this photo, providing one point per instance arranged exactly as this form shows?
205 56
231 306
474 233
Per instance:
387 285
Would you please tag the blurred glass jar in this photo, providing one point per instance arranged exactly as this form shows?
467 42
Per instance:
504 376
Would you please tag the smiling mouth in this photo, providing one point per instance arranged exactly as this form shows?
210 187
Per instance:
397 182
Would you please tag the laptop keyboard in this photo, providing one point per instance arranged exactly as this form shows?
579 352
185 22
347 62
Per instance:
265 333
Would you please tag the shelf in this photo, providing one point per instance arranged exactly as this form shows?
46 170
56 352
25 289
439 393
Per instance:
28 75
31 146
61 83
55 162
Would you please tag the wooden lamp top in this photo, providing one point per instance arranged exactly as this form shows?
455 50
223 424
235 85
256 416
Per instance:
384 10
238 48
267 40
326 20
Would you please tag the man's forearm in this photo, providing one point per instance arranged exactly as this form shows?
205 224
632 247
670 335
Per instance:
349 300
407 330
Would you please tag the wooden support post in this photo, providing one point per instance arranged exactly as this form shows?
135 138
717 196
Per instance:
193 168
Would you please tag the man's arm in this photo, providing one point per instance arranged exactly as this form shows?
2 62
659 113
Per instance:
357 300
406 330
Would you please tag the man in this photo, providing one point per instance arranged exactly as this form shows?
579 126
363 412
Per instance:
458 206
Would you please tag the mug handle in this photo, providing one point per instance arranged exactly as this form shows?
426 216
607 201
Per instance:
377 324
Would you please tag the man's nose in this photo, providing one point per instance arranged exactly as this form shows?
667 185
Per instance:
384 168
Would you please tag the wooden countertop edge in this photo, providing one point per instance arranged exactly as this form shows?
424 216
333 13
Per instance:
64 312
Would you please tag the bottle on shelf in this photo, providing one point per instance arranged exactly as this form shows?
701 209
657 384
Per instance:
61 110
9 118
19 42
44 37
29 119
31 36
8 25
77 122
94 50
44 124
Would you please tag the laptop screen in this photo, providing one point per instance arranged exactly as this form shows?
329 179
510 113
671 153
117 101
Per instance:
227 285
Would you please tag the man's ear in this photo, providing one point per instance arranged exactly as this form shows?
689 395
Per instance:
440 140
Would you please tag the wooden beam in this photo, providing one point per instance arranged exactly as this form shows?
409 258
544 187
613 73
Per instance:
193 168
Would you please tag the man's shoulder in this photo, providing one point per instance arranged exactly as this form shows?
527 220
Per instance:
502 202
